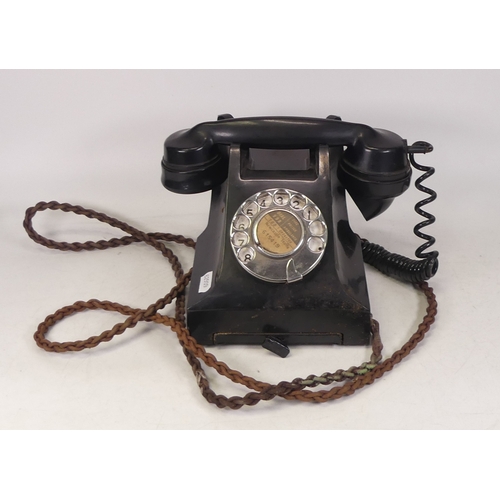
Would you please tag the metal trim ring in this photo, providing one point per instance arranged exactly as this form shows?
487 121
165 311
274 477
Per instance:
279 267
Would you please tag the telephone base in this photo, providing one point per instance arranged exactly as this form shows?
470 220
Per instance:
328 304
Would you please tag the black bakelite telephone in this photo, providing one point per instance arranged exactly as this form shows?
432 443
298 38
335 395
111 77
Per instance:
278 263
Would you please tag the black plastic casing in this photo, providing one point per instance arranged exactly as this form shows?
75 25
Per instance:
328 306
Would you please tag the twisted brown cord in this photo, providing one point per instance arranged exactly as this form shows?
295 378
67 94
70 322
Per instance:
299 389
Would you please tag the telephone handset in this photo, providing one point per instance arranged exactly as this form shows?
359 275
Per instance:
278 263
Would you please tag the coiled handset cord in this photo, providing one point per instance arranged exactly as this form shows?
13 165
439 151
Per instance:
396 265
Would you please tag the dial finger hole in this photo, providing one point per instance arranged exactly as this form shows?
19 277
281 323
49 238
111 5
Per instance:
317 228
281 198
241 222
246 255
310 213
250 209
240 239
297 202
264 200
315 244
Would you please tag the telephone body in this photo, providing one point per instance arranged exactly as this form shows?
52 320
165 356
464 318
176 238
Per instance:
278 263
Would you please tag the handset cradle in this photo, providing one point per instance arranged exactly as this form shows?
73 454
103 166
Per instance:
374 166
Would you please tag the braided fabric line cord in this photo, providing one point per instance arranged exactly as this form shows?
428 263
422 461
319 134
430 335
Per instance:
346 382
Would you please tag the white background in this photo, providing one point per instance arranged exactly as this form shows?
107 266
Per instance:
95 138
69 136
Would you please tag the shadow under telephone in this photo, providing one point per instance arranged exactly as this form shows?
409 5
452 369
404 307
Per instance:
278 263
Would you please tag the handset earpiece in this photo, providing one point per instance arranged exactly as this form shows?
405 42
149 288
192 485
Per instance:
192 163
374 172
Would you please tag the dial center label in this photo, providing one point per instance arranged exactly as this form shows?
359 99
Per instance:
279 232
